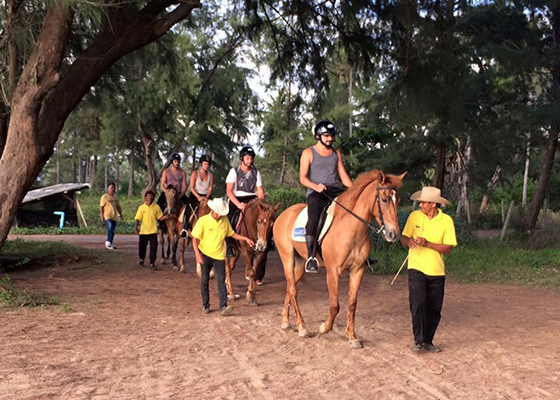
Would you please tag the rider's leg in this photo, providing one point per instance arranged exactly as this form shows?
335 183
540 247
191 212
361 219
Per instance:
315 203
191 203
162 203
230 250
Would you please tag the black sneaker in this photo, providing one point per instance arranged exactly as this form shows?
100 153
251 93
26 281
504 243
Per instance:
431 348
153 267
141 262
417 346
230 252
206 309
183 233
311 265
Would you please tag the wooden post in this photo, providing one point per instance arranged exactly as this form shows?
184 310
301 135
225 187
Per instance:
506 223
503 213
80 210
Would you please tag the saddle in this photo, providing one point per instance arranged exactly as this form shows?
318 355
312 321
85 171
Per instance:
325 221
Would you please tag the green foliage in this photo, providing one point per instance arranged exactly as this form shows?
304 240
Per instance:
286 197
11 297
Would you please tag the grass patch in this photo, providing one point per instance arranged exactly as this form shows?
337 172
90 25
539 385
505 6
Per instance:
486 261
10 297
23 249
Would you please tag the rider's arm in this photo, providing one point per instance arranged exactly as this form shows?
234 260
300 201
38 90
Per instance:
304 164
184 185
231 196
346 181
211 186
164 180
191 185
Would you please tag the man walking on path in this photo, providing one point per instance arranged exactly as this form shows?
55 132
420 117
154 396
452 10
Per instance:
209 234
148 214
429 234
109 208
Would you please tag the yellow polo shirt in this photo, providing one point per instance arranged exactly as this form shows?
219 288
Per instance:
212 234
148 216
438 230
109 204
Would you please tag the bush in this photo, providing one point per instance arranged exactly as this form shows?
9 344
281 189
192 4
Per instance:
286 197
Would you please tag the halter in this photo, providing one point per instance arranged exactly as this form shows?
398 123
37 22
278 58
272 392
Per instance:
363 221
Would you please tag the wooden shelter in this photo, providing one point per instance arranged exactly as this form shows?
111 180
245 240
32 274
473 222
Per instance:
40 205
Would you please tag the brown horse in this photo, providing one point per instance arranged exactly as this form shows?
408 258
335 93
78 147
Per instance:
345 247
257 222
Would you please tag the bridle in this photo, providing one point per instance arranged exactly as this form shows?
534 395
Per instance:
380 212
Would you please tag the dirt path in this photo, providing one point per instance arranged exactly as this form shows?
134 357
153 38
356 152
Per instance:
138 334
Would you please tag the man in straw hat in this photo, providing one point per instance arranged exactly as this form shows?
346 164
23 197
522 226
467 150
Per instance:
428 233
209 234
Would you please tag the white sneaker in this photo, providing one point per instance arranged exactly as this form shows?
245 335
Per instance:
113 247
108 245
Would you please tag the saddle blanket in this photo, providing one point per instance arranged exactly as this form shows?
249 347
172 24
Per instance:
298 234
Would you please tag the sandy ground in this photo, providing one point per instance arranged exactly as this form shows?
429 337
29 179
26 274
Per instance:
140 334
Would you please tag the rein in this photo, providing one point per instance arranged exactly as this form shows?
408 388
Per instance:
363 221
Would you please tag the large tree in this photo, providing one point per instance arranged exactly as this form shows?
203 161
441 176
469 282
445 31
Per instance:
53 80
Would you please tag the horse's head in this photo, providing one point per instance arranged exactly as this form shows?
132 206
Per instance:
265 216
171 200
386 204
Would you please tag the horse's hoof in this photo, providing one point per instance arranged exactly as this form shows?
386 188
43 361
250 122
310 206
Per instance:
182 270
212 274
198 270
355 344
323 329
233 297
285 326
303 333
175 268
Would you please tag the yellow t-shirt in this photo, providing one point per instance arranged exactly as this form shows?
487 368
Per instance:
148 216
110 204
438 230
212 234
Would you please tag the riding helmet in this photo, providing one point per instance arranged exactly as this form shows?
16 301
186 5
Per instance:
324 127
175 156
247 151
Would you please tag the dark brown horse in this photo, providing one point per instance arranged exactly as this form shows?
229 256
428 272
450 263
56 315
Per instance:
257 222
345 247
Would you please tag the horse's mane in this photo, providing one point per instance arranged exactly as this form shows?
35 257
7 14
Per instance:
351 196
264 204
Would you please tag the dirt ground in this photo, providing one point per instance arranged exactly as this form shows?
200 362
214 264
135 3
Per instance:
141 334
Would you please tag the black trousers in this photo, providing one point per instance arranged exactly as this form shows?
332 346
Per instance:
143 245
315 203
425 294
220 275
233 209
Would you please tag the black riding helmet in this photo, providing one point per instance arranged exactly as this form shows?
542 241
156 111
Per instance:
203 158
247 151
175 156
322 128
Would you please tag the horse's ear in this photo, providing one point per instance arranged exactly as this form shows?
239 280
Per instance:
381 178
401 176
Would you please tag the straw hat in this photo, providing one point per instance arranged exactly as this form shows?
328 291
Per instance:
429 194
219 206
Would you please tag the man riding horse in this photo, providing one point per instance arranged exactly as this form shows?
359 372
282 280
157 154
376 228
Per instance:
322 172
174 176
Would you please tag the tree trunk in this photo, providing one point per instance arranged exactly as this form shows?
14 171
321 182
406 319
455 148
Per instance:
526 175
57 163
530 219
489 188
131 175
92 170
439 176
116 160
3 126
148 155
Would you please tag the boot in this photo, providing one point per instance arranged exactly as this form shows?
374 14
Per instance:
230 250
311 265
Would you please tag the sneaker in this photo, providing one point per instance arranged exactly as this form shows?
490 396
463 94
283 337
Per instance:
183 233
431 348
311 265
113 247
140 262
206 309
108 245
259 283
224 312
153 267
417 346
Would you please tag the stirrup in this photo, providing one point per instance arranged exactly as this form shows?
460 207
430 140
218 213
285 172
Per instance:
183 233
312 265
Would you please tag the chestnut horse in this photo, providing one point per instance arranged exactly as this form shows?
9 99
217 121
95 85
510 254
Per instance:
257 222
345 247
173 226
